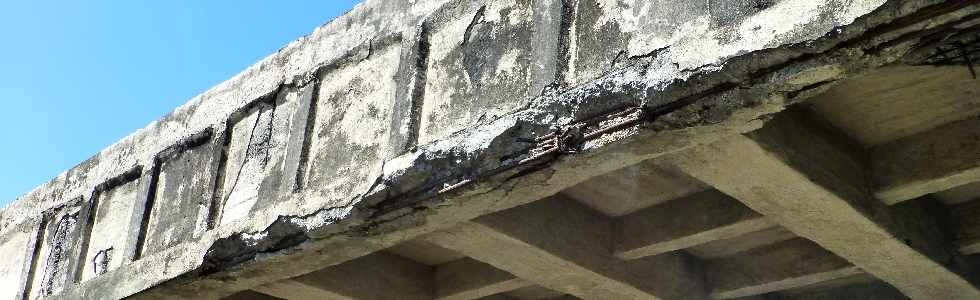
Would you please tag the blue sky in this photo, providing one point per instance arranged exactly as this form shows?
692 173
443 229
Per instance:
77 76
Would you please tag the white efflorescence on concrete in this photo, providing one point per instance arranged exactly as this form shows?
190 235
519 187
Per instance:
403 116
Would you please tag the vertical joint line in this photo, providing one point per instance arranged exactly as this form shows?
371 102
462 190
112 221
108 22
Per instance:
419 83
214 209
564 53
35 257
151 195
299 181
85 238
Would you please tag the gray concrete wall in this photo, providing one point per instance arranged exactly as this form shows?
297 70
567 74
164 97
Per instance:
401 101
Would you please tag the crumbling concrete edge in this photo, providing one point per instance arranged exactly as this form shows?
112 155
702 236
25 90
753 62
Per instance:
609 123
295 64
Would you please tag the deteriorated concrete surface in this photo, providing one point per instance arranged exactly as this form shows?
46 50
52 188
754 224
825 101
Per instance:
545 149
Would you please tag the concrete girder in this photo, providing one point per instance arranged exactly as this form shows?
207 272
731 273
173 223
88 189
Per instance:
798 176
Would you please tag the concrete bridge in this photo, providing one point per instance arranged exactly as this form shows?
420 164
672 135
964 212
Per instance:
545 149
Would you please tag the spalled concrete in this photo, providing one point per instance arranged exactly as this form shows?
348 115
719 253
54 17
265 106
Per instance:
404 118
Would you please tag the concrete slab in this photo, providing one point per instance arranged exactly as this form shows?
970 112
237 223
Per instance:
684 223
933 161
634 188
782 266
376 276
251 295
467 279
959 195
868 291
898 101
425 253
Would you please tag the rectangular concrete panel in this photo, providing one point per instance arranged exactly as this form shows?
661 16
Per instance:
685 36
53 264
18 246
255 167
109 241
182 196
672 76
486 61
607 32
351 127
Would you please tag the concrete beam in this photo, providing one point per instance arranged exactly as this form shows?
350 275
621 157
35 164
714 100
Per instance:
562 245
805 178
467 279
375 276
683 223
929 162
783 266
735 245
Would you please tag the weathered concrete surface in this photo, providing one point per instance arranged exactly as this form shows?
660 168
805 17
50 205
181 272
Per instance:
425 253
181 201
375 276
698 87
486 59
734 245
18 246
263 143
790 264
898 101
351 124
816 191
563 246
471 279
929 162
614 194
112 243
685 223
693 34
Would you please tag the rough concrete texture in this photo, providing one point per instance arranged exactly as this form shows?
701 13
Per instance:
486 60
180 203
404 117
54 260
18 247
110 242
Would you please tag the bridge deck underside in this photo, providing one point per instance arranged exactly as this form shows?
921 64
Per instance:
845 195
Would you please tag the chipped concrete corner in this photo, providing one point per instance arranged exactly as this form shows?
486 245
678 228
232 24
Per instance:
404 118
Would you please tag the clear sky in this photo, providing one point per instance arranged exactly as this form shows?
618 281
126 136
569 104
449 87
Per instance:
77 76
